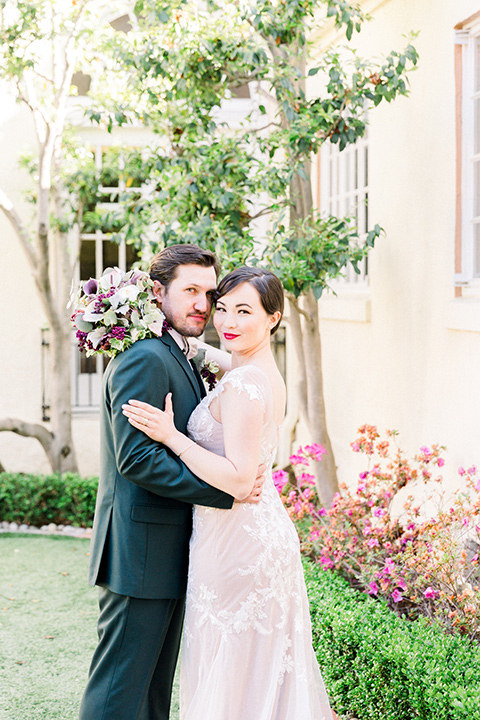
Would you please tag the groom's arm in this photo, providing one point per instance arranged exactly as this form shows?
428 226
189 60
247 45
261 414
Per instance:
141 373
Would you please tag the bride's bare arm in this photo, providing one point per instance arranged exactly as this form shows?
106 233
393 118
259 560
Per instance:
242 420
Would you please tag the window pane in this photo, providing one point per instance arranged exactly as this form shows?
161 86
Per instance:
476 251
344 188
476 189
88 365
210 335
132 256
110 254
477 126
477 65
87 260
279 350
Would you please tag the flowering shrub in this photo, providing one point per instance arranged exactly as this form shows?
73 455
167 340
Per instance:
115 311
421 563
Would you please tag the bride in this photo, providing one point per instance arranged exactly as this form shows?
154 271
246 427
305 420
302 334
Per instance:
247 647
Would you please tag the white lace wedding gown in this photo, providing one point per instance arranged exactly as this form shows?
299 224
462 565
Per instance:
247 647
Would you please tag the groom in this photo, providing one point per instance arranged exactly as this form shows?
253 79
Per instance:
143 516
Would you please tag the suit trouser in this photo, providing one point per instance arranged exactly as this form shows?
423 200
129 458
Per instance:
133 667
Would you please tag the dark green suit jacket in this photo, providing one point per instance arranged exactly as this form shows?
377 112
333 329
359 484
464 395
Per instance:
143 516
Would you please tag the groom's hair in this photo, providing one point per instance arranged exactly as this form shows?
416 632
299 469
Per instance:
164 264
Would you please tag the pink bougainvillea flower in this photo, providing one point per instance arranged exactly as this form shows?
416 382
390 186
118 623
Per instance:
280 479
363 475
307 479
461 471
355 447
373 588
429 592
472 470
326 562
297 459
440 462
315 451
389 566
373 542
397 596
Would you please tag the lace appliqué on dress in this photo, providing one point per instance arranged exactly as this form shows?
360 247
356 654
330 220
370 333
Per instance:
247 641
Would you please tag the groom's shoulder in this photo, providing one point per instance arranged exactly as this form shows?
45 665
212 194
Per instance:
147 347
141 351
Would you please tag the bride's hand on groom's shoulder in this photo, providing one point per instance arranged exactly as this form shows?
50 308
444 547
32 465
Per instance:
152 421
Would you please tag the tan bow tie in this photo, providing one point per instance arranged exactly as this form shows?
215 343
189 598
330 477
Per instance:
188 346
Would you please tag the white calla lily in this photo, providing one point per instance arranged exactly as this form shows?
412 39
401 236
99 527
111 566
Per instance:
96 336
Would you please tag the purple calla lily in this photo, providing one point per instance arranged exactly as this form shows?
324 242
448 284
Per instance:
90 287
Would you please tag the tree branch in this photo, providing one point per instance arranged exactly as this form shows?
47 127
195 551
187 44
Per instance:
292 299
257 130
9 209
34 430
266 211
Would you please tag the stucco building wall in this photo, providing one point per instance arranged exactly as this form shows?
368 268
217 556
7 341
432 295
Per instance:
412 360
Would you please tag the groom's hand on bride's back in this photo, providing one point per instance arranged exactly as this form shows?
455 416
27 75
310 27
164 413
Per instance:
256 492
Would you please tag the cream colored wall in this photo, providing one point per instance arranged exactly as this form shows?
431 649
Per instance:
405 368
22 318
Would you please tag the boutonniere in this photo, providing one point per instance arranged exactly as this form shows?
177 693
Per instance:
207 369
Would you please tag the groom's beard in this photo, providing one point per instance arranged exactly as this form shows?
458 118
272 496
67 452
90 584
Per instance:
188 327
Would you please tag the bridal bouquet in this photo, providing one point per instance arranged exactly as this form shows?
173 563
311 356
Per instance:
115 311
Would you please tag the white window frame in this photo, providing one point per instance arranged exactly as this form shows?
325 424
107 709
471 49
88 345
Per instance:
344 190
469 276
87 387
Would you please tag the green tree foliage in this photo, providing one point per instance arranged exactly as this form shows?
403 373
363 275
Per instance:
210 182
42 44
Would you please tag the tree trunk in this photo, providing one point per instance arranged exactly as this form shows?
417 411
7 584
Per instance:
325 471
63 450
306 334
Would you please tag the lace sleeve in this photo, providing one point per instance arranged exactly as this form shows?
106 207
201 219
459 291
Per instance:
251 380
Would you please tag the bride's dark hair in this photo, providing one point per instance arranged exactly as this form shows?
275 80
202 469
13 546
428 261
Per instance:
267 285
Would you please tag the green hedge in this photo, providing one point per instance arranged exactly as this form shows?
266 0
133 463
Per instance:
66 499
378 666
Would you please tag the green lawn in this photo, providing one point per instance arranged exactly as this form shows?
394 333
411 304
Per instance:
47 627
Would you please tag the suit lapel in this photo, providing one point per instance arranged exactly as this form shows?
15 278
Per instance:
203 392
183 363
